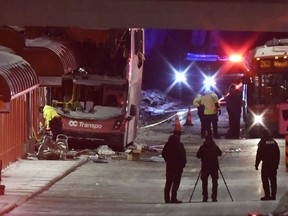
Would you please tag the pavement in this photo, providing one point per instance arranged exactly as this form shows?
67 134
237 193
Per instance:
27 178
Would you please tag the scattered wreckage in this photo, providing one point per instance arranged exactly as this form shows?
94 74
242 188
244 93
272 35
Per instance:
48 149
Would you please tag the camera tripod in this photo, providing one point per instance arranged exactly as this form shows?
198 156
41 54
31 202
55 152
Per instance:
197 182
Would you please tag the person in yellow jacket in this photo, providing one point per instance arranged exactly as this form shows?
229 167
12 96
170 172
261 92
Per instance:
211 111
53 120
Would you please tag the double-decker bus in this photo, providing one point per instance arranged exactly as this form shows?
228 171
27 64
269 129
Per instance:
99 102
265 86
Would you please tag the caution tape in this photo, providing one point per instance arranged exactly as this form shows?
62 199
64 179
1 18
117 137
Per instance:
162 121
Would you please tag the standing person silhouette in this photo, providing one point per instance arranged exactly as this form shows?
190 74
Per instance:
234 104
211 112
209 153
200 112
268 152
174 155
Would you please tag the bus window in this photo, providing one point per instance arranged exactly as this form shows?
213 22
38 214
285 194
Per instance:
271 88
111 100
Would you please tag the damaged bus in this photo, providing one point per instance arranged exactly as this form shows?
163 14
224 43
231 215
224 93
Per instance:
99 102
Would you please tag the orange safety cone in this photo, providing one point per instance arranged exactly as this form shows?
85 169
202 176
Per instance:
189 118
177 124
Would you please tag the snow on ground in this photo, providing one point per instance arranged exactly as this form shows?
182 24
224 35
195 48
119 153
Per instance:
156 105
157 114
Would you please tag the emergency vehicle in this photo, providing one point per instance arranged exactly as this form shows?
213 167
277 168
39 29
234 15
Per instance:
265 85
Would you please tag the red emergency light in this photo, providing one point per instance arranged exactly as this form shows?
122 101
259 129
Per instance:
235 58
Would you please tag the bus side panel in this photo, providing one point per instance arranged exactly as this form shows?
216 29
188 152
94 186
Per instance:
94 132
89 126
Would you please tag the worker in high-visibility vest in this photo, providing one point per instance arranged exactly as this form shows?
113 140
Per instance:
211 112
53 121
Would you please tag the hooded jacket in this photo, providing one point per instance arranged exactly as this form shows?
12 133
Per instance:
209 152
174 153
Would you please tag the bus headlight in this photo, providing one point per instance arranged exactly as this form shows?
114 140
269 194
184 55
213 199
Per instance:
117 124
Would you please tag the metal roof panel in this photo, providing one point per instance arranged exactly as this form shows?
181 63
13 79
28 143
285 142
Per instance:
17 77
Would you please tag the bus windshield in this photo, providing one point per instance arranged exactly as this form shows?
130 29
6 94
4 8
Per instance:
270 88
95 97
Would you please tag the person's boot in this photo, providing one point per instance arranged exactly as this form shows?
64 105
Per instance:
265 198
167 199
176 201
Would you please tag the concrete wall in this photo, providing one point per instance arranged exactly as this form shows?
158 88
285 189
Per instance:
240 15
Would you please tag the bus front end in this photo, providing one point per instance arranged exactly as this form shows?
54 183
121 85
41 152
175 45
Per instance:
267 86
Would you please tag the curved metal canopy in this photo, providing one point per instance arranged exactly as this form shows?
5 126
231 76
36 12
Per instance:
49 57
17 77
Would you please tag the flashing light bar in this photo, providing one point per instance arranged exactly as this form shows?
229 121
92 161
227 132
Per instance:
236 58
200 57
212 58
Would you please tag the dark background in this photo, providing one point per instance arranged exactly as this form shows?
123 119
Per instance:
168 48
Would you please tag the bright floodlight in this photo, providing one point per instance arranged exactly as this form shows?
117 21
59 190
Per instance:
180 77
258 119
235 58
209 82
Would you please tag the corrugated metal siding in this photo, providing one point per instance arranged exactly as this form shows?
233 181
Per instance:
13 133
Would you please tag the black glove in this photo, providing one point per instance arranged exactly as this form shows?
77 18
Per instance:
219 112
256 167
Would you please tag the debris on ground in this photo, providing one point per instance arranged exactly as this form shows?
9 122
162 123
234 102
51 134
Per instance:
157 158
156 148
134 152
99 159
119 156
104 150
75 154
233 149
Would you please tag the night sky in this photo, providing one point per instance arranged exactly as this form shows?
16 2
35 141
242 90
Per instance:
164 47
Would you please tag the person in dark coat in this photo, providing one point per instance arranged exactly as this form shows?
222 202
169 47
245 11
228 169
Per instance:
268 152
200 112
174 155
209 152
234 104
